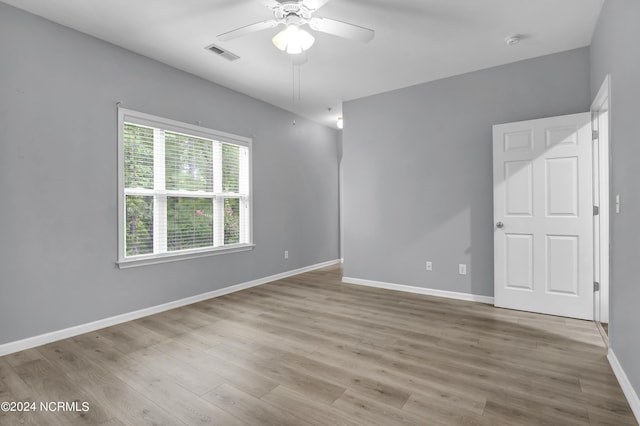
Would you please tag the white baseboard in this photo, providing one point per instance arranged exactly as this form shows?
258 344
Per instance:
32 342
420 290
625 384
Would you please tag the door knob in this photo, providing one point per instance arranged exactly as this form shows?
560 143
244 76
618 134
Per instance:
499 225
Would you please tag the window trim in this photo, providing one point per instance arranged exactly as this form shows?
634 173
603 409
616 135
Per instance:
135 117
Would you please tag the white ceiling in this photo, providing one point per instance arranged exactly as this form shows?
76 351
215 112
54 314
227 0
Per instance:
416 41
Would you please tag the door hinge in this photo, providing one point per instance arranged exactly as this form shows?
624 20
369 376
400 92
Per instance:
594 135
596 210
596 286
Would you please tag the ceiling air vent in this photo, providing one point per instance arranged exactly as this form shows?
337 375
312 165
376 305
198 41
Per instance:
221 52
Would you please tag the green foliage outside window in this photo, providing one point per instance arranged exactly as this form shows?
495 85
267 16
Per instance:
138 173
189 223
138 150
230 168
188 163
231 221
189 166
139 225
230 183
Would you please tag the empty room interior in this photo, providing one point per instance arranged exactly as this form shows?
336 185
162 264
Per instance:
319 212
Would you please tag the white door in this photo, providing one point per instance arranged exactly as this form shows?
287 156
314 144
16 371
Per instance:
543 216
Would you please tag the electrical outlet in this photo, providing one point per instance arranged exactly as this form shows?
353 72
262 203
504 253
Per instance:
462 269
286 254
429 266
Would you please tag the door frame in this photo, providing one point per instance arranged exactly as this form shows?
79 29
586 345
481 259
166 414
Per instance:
602 172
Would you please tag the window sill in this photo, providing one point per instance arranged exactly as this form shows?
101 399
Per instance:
175 257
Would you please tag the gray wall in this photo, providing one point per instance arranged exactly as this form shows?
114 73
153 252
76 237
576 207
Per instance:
615 50
418 169
58 162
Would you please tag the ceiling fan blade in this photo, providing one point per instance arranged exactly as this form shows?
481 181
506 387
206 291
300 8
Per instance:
314 4
270 3
342 29
242 31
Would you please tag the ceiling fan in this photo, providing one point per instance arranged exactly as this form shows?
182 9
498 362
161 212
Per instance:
294 14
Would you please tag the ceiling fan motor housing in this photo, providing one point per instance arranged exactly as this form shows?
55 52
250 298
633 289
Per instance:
292 10
296 13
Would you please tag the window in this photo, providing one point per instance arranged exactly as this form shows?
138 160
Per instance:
184 190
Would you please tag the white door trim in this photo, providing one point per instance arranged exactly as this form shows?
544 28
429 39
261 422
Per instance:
601 111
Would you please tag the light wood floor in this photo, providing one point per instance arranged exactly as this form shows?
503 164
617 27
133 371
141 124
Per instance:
309 350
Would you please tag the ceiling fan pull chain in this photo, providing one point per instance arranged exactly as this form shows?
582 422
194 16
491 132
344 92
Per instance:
299 84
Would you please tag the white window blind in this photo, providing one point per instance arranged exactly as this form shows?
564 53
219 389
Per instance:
183 189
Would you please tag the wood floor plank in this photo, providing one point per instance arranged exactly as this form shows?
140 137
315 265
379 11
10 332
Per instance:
281 372
310 349
195 380
310 410
509 412
375 389
114 421
252 410
445 409
161 389
605 418
123 402
14 389
202 338
19 358
248 381
50 385
131 337
371 412
445 395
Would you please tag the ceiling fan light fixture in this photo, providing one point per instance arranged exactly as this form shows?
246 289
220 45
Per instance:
293 40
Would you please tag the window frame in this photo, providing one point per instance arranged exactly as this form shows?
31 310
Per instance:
143 119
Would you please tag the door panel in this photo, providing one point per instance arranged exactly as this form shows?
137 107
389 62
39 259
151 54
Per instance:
562 264
543 214
518 141
562 187
519 252
519 191
561 136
